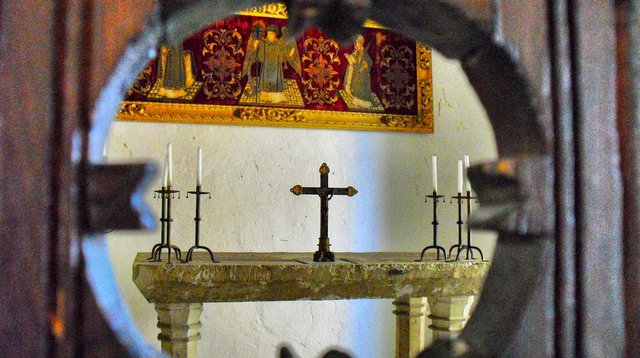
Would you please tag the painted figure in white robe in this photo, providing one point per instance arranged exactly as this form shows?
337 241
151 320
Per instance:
357 78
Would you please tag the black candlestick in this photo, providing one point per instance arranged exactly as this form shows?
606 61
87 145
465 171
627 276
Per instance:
198 192
470 247
460 198
436 199
166 194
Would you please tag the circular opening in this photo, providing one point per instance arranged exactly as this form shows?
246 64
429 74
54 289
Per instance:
249 172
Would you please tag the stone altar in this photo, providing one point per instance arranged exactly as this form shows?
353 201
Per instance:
179 290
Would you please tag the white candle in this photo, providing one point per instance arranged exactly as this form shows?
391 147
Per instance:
466 171
459 176
104 150
165 180
199 183
169 165
434 171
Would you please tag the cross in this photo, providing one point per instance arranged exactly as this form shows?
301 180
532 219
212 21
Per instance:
325 193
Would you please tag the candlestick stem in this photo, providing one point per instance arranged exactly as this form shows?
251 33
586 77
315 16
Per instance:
459 247
435 246
165 194
469 247
198 192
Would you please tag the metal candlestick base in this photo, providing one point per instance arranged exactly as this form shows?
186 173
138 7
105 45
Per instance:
156 256
469 247
198 192
195 247
438 248
459 248
166 195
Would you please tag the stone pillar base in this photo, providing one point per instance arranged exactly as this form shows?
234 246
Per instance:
448 315
410 326
179 325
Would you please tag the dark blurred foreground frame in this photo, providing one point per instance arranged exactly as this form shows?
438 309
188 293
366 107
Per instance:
563 279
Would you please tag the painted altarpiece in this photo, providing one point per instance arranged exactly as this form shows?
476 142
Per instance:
244 70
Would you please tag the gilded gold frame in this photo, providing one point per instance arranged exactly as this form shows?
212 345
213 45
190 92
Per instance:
290 117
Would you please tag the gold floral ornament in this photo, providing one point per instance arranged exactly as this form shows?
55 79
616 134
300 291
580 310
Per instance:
397 83
222 50
320 79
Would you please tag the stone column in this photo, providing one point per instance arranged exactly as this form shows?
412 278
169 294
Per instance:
410 326
448 315
179 325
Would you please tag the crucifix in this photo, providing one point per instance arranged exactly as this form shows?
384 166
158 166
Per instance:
325 193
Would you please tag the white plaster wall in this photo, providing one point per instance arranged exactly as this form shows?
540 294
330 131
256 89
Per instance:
250 170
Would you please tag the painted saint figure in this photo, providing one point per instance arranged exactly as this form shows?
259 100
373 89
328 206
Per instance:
176 75
269 54
357 78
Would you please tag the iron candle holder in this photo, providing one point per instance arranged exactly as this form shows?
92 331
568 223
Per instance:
460 198
469 247
436 198
166 195
198 192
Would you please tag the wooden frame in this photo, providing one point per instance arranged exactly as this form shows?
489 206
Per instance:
379 119
49 307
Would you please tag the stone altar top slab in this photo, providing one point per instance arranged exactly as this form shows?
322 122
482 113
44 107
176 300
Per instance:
273 276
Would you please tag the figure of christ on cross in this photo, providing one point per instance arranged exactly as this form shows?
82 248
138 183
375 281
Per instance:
325 193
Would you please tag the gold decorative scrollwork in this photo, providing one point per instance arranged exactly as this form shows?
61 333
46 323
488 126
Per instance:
222 52
271 10
426 105
402 121
398 88
424 57
425 90
142 84
320 79
132 109
269 115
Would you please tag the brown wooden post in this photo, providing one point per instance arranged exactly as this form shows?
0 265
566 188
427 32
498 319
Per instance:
628 97
28 122
598 190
